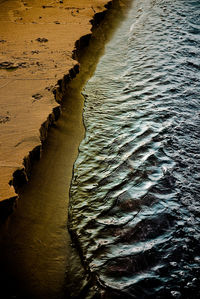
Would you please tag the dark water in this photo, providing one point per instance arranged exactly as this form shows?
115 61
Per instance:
134 207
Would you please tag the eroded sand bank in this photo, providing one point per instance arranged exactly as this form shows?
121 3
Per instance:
37 259
37 39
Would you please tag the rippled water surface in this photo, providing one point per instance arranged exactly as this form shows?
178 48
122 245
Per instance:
134 208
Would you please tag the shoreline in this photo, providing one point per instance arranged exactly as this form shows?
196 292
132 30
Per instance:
21 147
37 255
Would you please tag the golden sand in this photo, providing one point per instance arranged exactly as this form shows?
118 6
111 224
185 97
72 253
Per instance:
36 43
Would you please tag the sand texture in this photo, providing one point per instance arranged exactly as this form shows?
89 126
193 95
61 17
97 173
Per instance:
37 39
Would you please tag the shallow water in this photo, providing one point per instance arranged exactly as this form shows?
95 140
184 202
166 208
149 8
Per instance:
134 199
37 259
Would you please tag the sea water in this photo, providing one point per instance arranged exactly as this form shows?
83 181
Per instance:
134 198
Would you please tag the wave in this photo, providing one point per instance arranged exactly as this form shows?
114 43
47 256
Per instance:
134 204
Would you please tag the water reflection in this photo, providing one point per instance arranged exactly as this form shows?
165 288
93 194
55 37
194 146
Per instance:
134 207
37 259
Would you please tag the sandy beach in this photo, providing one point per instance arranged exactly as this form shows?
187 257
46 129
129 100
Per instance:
37 256
99 149
37 39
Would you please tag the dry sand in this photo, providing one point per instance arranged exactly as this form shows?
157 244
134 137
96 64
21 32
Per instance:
37 39
37 259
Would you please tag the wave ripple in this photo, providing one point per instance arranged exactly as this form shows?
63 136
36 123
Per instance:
134 207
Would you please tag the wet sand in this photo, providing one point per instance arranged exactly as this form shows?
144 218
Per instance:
37 257
36 43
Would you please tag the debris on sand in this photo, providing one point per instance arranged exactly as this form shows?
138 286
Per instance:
8 65
4 119
37 96
35 52
22 64
42 40
47 6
